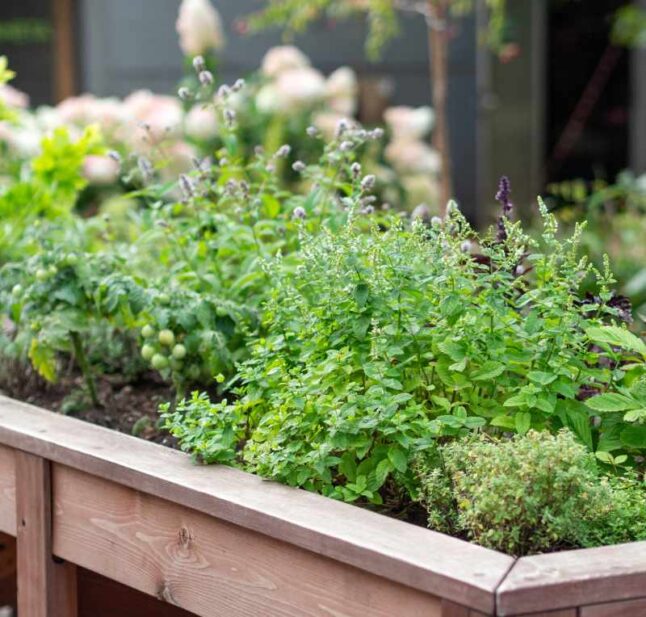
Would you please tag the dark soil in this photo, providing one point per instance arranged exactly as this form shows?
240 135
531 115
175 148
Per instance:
128 407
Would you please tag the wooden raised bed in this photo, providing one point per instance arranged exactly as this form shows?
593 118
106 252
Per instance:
98 513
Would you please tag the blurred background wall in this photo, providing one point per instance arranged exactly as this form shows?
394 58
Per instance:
514 116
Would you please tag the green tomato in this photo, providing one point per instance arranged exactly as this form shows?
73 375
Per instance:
147 352
163 298
147 331
71 259
159 362
166 337
194 372
52 270
16 290
176 365
41 274
35 326
179 352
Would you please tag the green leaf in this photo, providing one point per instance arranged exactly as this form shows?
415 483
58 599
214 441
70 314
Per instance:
488 370
611 401
398 458
516 401
634 436
361 292
44 360
541 377
504 422
619 337
522 422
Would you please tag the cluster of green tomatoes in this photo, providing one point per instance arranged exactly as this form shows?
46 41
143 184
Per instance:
162 350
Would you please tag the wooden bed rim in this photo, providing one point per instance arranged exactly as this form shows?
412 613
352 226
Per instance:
68 460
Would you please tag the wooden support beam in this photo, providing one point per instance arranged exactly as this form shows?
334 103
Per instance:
46 588
7 491
64 51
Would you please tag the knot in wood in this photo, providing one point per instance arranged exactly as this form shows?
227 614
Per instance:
184 537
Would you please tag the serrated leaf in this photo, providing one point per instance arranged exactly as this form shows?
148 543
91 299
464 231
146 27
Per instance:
489 370
44 360
611 401
541 377
619 337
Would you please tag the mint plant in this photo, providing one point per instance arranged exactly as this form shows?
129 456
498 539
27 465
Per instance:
382 342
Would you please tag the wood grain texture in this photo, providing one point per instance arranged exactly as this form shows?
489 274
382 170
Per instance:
574 578
7 491
45 588
451 609
419 558
566 612
64 51
209 567
631 608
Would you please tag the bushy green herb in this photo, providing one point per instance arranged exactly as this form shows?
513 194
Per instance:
529 494
381 342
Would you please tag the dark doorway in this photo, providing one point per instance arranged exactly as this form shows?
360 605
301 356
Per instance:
588 89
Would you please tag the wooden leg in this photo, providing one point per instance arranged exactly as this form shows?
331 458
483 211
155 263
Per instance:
45 588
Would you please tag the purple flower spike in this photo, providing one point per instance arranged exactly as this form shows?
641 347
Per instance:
503 197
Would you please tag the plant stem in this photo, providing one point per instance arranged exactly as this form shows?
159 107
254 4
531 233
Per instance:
438 50
79 353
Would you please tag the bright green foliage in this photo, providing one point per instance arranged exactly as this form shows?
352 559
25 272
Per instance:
529 494
381 342
59 165
5 76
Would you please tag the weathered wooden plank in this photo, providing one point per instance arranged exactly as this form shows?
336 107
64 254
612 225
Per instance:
451 609
45 588
210 567
419 558
574 578
7 491
631 608
566 612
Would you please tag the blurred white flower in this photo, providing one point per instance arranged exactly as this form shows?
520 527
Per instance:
100 170
199 27
12 97
328 123
283 58
409 156
409 122
298 88
341 90
421 188
267 100
201 123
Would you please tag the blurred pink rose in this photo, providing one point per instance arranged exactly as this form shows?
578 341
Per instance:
100 170
409 122
159 117
199 27
282 58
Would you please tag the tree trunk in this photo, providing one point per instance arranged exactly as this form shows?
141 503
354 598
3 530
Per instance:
438 48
